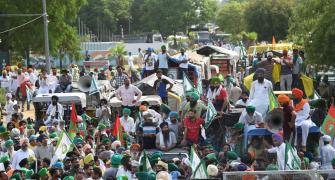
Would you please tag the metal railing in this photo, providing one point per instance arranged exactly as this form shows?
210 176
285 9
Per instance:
280 175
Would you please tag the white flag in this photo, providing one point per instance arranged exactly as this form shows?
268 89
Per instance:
210 115
94 87
64 145
187 83
199 170
199 86
292 160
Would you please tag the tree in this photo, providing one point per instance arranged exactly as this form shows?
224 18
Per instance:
230 17
105 14
312 25
119 51
61 14
268 18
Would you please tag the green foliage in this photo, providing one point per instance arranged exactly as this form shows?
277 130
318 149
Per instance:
230 17
108 13
268 18
61 14
312 25
171 16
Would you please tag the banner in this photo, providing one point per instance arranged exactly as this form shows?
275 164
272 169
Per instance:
199 170
64 145
328 125
292 160
73 122
187 83
210 114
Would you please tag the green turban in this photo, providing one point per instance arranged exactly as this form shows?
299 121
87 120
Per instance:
231 155
195 96
105 141
172 167
27 172
68 178
126 111
9 143
165 108
52 135
42 172
163 47
101 127
2 129
215 80
16 176
146 176
4 158
250 108
116 160
30 126
155 157
238 126
77 140
272 167
333 162
211 156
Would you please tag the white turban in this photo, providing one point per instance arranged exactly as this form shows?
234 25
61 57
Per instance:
269 54
115 144
212 170
163 175
326 138
186 161
9 95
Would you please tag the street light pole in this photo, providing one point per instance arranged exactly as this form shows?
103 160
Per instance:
46 36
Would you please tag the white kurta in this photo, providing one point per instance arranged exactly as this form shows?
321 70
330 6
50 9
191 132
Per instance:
19 155
302 120
128 124
259 96
280 150
9 107
327 155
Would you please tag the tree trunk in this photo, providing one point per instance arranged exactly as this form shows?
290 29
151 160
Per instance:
60 60
27 56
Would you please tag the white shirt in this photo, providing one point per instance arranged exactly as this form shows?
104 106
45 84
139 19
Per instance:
260 91
4 82
128 124
52 111
150 61
127 95
52 80
251 120
32 78
19 155
9 107
327 155
302 115
241 103
280 155
182 58
123 172
163 61
131 62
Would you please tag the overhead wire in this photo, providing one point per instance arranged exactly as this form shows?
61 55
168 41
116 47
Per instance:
24 24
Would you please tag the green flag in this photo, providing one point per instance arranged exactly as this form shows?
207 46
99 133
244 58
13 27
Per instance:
210 114
199 170
328 125
292 160
187 83
273 101
145 163
64 145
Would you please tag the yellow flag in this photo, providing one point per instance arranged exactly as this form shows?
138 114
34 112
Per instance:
308 85
276 73
248 81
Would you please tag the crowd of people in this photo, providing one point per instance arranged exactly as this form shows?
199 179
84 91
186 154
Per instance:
132 143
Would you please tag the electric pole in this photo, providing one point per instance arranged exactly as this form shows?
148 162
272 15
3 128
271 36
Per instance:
46 36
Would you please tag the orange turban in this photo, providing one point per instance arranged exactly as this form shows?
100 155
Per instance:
283 98
297 93
30 70
135 147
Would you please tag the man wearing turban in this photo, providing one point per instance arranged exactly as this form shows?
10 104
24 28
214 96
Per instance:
4 80
279 148
289 117
127 122
260 92
303 120
195 104
217 94
251 118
